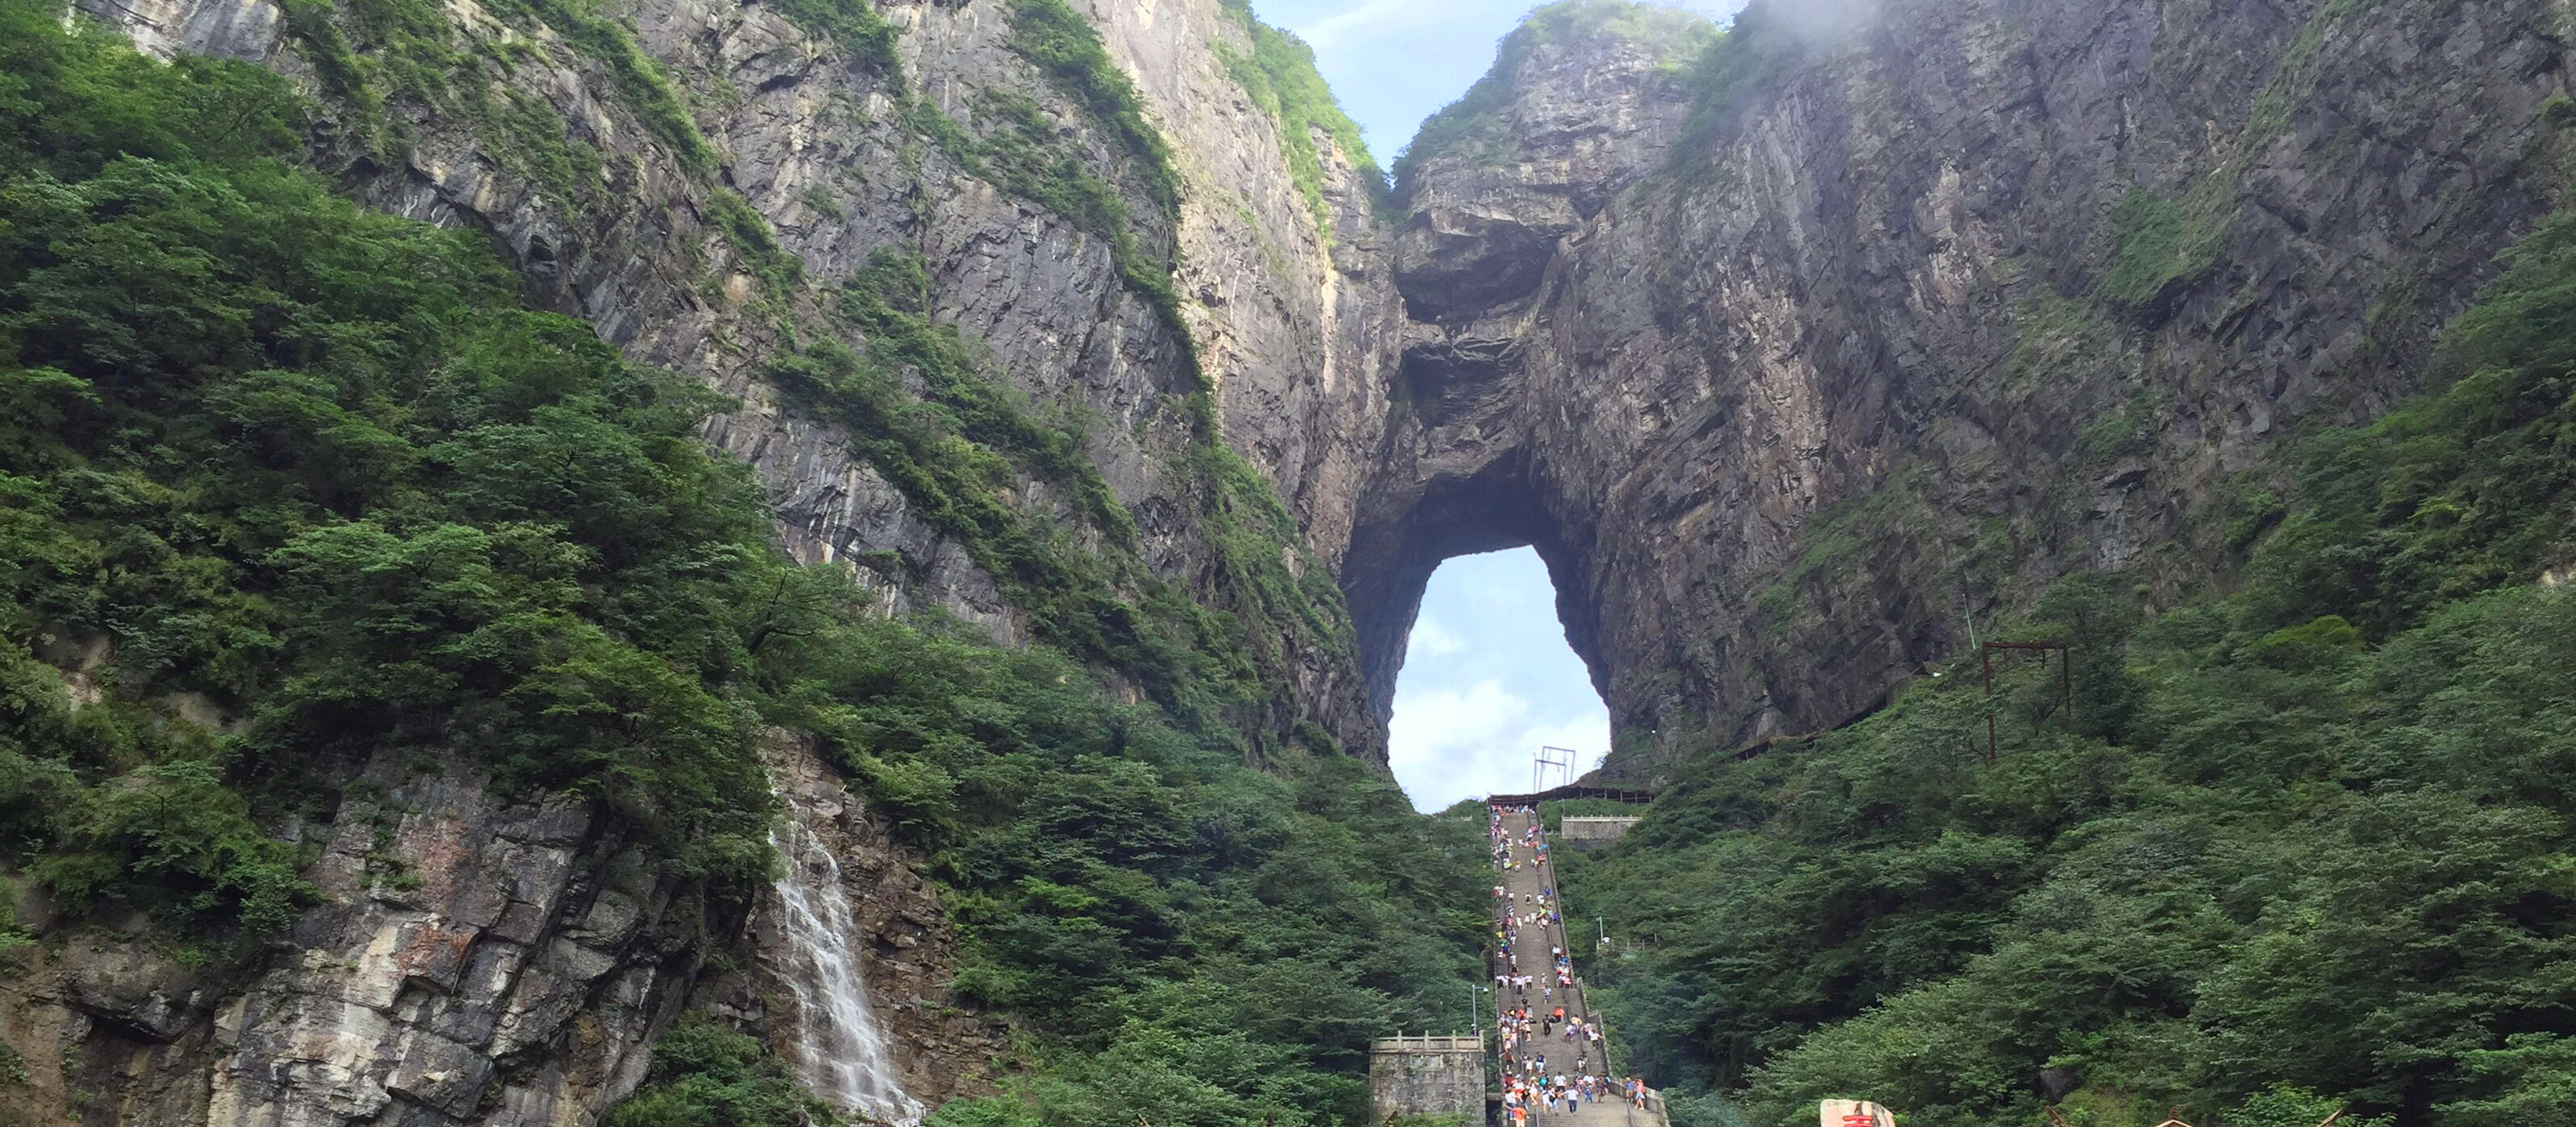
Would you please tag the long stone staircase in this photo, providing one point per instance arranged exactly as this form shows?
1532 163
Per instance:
1524 880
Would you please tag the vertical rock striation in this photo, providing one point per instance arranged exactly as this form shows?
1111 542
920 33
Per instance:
722 171
1789 351
1791 359
474 960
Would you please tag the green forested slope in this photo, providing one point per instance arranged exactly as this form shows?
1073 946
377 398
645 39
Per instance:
271 459
2305 846
316 468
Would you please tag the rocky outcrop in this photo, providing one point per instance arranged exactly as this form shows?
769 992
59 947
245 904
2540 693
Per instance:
1574 118
906 949
480 960
474 960
1887 320
1284 317
1788 364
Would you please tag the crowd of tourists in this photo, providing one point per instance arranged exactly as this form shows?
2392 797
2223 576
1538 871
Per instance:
1531 1015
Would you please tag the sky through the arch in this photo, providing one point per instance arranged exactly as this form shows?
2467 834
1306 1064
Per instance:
1488 677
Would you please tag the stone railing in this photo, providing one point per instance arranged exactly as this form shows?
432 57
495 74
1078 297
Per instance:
1428 1043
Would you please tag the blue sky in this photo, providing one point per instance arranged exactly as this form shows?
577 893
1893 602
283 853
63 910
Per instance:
1488 678
1393 62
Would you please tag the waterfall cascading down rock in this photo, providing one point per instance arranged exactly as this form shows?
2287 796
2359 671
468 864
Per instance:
839 1052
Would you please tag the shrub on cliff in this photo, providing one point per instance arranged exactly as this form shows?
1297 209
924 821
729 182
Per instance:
2316 833
286 484
705 1075
310 476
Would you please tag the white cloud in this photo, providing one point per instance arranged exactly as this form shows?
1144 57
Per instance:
1430 639
1447 744
1434 729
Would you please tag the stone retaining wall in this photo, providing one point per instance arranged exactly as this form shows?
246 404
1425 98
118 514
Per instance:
1411 1076
1593 833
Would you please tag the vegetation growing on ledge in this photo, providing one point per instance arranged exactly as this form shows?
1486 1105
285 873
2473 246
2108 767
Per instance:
1181 654
954 453
1671 34
1215 664
1473 124
1021 153
313 468
1280 77
2157 241
854 24
777 270
1198 943
1191 658
2302 847
639 79
1753 52
373 56
705 1075
2456 492
2154 244
1068 53
889 302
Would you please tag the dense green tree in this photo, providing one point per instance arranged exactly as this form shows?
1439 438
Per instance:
2316 833
705 1075
285 484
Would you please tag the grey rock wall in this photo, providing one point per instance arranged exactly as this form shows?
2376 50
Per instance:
1781 415
1286 318
519 981
474 960
907 952
1782 387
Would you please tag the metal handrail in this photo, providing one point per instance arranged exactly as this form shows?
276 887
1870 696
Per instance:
1609 1046
1633 796
1538 1115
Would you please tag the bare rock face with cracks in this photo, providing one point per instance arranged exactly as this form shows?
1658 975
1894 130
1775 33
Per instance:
1792 351
1792 362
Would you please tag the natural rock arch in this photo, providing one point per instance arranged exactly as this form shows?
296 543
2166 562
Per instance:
1399 543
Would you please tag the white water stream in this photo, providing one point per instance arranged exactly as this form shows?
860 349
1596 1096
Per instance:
840 1053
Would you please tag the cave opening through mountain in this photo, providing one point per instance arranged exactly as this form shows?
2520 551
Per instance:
1487 679
1467 595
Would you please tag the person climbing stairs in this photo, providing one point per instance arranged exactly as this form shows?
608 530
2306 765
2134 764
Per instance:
1550 1037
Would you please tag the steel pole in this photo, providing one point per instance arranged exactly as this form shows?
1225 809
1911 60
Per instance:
1986 660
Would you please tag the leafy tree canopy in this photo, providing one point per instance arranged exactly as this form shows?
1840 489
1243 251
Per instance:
285 485
2306 846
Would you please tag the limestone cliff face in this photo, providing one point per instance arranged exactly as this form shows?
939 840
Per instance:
1787 364
475 959
1889 318
516 971
1285 317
